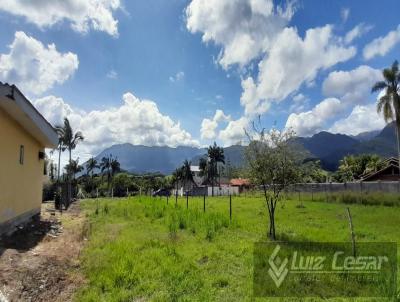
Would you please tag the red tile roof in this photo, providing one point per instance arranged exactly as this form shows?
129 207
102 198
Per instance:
239 182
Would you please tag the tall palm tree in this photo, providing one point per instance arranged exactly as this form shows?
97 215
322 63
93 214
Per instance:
91 165
70 138
389 103
177 176
115 166
205 169
61 147
111 166
73 167
70 141
215 155
105 166
187 176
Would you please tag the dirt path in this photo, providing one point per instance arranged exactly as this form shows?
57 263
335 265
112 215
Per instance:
41 261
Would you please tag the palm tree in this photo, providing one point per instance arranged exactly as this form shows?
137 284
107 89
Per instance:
111 166
205 169
177 176
115 166
215 155
91 165
61 147
187 176
70 141
389 103
73 167
105 165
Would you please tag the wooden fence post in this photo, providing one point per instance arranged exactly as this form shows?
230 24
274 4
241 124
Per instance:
176 197
167 198
326 192
204 203
353 240
187 200
312 193
230 207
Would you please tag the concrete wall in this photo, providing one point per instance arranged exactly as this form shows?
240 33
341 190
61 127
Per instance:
201 191
370 186
223 190
20 184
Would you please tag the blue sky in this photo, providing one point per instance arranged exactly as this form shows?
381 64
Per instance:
185 69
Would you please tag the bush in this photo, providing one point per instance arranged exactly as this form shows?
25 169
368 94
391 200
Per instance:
121 182
49 190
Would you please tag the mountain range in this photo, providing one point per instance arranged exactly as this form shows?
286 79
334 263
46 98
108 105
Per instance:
329 148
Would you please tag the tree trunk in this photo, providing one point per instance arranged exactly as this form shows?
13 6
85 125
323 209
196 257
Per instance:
398 142
69 180
397 124
58 196
272 224
59 163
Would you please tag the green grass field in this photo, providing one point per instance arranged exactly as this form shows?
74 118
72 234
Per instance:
141 249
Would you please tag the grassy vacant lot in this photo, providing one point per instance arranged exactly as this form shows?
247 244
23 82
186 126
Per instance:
142 249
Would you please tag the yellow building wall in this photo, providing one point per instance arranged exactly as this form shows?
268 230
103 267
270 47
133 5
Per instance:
20 185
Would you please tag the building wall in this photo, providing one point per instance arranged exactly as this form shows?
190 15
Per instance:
20 184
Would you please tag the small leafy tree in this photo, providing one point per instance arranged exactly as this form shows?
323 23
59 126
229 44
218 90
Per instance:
121 183
273 165
311 172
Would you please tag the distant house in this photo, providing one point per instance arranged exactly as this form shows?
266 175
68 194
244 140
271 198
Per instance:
242 183
200 186
388 172
197 178
24 134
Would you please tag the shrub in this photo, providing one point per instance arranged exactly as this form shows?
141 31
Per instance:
49 190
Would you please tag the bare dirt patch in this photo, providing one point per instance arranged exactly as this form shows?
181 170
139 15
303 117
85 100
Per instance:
40 262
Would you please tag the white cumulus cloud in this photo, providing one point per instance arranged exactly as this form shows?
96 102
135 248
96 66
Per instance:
34 67
178 77
234 132
243 28
357 31
354 86
209 126
382 45
290 62
135 121
83 15
362 118
312 121
251 31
